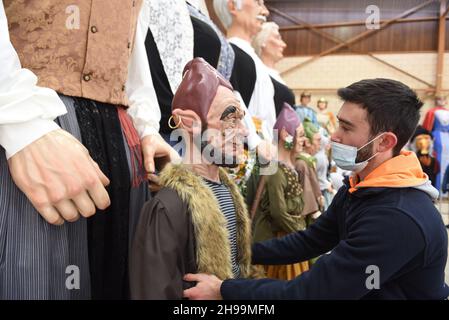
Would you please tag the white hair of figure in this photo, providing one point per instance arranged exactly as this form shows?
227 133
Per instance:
261 38
222 11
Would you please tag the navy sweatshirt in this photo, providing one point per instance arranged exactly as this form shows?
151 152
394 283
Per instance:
395 231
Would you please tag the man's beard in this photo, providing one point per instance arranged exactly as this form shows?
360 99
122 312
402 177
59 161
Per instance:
219 158
216 156
365 153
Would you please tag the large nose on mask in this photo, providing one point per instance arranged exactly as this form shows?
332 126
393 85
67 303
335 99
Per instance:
243 131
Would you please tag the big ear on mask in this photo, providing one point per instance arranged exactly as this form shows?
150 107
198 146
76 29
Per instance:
188 120
283 134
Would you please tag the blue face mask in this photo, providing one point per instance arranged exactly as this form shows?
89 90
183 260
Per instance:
345 156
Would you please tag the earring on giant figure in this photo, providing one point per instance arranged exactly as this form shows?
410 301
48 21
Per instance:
176 126
288 143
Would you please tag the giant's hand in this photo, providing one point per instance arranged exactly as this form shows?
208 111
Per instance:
59 177
153 146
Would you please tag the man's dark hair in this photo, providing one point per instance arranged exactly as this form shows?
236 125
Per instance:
391 107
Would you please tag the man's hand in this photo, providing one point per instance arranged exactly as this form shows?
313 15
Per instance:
59 177
207 287
153 146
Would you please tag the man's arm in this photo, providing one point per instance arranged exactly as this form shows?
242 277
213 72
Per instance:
385 240
319 238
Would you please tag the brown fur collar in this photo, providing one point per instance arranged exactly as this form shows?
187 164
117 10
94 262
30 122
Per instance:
212 238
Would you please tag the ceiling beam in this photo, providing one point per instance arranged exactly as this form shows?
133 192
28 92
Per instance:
340 41
446 12
359 36
354 23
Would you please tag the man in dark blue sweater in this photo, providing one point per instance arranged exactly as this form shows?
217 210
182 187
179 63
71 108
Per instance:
386 238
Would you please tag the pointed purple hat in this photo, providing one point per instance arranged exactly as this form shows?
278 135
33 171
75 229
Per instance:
287 119
198 88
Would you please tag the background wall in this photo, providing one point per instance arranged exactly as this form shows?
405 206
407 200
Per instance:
409 44
324 76
415 32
